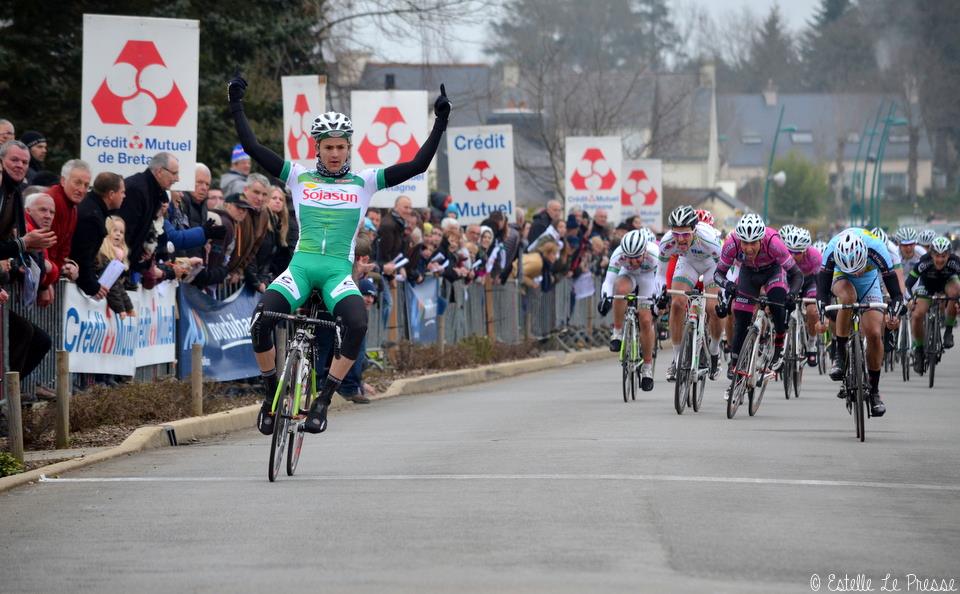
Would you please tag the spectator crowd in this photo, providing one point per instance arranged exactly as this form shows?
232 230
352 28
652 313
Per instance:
109 234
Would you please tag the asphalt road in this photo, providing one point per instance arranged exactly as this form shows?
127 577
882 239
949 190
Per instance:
547 482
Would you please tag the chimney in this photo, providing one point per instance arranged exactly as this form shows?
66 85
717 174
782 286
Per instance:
770 94
389 82
708 75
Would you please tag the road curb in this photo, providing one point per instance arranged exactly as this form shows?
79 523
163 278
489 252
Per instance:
195 428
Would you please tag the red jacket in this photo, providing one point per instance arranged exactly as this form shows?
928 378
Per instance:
51 277
64 224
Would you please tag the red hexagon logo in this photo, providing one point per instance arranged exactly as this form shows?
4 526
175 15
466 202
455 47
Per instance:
299 141
139 89
389 139
482 178
593 173
637 190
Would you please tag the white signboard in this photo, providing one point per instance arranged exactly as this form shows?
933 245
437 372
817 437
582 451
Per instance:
389 128
139 93
98 341
642 192
593 174
304 98
480 162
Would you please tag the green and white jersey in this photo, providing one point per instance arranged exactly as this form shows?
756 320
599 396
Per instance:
330 210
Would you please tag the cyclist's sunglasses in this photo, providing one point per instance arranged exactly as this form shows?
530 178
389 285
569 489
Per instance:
682 234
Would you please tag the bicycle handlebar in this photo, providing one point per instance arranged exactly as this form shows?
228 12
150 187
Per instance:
692 294
632 297
300 319
856 306
808 301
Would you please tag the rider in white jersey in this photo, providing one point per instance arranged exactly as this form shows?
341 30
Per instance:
633 268
910 252
697 247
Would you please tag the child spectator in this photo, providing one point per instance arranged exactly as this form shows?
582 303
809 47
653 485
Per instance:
114 247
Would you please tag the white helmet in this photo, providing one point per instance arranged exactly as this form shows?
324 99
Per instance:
750 227
906 235
797 239
926 237
940 245
820 246
850 253
634 244
649 235
879 232
332 124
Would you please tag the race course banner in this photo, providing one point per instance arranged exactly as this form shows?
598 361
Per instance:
593 174
422 302
480 160
304 98
98 341
389 127
642 192
139 93
223 328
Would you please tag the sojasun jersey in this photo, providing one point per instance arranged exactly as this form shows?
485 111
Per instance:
330 210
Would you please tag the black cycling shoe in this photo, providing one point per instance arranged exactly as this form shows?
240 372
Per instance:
615 345
714 366
317 417
838 371
812 359
948 338
265 417
918 359
732 369
877 407
889 341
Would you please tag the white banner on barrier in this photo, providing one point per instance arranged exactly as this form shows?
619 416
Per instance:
98 341
304 97
642 192
480 160
139 93
593 174
389 128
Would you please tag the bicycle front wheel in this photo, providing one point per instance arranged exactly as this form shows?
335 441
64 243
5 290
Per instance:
855 370
742 374
626 359
295 442
763 356
789 358
698 387
281 418
681 386
933 345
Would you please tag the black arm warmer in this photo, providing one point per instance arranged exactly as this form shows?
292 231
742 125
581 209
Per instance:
794 279
912 279
824 280
271 162
401 172
893 285
720 275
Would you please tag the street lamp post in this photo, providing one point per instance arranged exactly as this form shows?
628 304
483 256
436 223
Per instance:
854 182
773 152
866 159
881 151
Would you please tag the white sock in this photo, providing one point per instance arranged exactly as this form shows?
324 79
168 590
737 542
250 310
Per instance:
676 353
713 346
617 333
811 344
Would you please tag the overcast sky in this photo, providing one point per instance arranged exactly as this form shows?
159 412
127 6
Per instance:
471 39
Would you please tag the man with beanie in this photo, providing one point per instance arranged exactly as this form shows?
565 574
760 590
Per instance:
234 180
37 144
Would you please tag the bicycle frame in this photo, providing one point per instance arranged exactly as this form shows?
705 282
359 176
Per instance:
630 317
696 306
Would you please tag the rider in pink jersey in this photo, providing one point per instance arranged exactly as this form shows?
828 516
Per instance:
765 264
809 260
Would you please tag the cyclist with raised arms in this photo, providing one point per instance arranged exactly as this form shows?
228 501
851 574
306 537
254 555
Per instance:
853 264
633 268
330 203
939 271
697 247
765 264
808 259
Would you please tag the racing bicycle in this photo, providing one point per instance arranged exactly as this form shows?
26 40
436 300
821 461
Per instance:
631 357
752 373
691 373
933 334
795 351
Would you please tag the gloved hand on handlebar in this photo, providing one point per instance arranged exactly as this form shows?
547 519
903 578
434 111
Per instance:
603 307
663 300
897 308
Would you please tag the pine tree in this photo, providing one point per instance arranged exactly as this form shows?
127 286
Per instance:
773 56
837 50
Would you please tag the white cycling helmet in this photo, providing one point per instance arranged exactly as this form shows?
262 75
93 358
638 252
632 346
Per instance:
820 246
683 216
906 235
879 232
926 237
750 227
649 235
332 124
786 229
940 245
797 239
634 244
850 253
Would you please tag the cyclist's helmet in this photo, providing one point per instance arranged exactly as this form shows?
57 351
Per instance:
879 232
820 246
906 235
940 245
332 124
750 227
786 230
705 216
683 216
797 239
649 235
634 244
850 253
926 236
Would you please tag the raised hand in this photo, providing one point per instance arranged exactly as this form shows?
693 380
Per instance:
237 86
442 106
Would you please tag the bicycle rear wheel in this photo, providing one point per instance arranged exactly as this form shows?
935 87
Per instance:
741 377
857 384
681 386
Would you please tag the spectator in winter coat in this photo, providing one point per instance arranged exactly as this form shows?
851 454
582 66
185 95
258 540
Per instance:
146 192
236 179
67 195
391 232
40 210
37 143
106 196
194 204
550 216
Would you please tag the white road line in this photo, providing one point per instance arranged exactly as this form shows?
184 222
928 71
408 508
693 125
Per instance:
519 477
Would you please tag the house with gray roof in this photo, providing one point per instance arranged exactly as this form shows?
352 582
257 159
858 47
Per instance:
827 126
